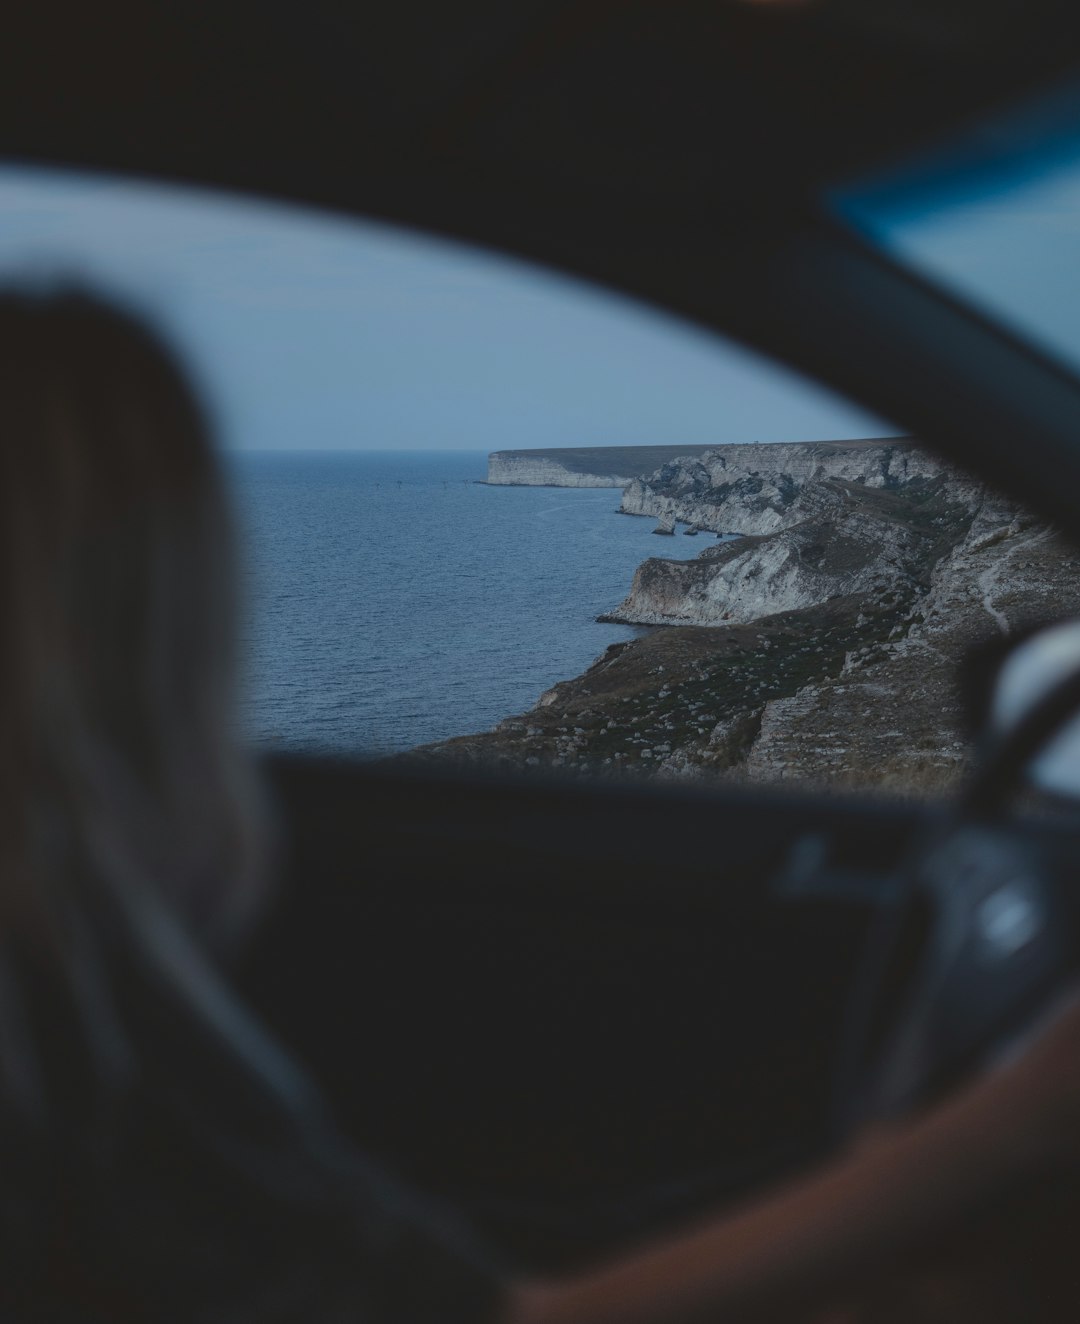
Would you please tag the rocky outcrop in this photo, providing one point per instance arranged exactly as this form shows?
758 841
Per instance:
586 466
820 650
837 537
754 489
893 717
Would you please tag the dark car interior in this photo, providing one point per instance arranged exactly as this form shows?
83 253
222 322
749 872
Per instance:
586 1013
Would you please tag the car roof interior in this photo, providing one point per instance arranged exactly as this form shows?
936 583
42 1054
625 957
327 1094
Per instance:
548 982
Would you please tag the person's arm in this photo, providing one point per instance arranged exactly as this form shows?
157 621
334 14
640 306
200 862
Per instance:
821 1239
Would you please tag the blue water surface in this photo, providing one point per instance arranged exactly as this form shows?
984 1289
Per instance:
394 599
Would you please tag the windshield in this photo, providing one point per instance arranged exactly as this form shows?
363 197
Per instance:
993 215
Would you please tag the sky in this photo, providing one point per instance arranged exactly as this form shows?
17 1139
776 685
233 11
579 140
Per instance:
308 331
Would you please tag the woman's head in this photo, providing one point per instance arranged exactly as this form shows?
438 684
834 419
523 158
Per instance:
120 777
115 550
116 587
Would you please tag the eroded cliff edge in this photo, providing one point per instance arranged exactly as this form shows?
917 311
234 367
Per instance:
819 522
820 648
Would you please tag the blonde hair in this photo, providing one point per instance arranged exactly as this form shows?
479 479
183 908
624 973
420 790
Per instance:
121 782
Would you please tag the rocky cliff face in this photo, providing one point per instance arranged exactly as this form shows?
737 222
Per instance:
822 648
833 537
508 470
755 489
892 716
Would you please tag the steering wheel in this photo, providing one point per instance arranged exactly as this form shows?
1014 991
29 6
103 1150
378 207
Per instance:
972 939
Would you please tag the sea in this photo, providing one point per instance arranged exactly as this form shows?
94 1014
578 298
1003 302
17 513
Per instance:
392 598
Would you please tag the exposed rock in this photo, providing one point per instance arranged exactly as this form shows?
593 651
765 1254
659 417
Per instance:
838 537
820 649
752 489
893 717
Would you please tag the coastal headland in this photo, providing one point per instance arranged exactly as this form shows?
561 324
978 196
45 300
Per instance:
821 647
581 466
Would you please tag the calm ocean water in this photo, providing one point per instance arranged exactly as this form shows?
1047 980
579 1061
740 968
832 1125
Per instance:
392 599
